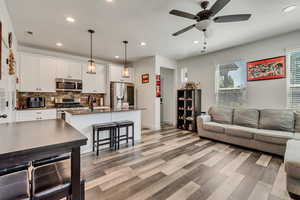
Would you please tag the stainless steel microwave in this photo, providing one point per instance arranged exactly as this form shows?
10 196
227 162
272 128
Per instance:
68 85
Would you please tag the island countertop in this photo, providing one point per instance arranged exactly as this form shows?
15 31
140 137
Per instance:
96 111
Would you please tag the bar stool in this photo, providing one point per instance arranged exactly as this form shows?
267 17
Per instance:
14 183
51 179
97 128
124 124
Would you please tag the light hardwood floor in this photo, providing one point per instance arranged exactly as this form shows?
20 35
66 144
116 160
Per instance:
176 165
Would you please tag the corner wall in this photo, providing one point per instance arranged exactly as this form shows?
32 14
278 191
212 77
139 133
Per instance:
261 94
7 82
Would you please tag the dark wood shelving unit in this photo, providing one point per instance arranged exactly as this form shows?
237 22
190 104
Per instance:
188 108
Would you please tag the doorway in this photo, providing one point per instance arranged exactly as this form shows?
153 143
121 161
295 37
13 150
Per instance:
167 101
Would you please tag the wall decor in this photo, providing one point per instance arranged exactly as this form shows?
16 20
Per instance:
271 68
10 40
158 86
0 50
145 78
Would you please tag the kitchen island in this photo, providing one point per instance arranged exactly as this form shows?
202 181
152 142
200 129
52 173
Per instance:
83 120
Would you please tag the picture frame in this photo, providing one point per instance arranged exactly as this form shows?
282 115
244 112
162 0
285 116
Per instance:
271 68
145 78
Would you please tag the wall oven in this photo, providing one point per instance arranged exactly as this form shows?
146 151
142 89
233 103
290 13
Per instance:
68 85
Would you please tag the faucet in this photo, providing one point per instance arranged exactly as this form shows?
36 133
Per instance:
91 101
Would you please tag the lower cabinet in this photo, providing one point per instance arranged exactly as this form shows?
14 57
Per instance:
34 115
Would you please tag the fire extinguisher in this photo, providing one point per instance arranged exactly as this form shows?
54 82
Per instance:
158 86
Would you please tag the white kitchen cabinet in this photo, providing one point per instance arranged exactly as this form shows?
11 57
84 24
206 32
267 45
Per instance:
29 72
69 69
115 73
37 73
35 115
95 83
47 74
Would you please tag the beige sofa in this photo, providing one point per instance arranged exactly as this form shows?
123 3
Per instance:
266 130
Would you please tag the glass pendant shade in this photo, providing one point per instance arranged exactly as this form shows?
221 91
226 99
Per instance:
91 69
125 72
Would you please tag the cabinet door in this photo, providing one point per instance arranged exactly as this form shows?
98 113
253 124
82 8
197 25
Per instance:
116 72
88 83
74 69
62 70
47 74
100 79
29 72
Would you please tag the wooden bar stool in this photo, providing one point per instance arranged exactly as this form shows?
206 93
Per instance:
124 124
97 128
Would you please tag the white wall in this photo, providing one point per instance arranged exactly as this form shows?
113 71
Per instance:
7 82
261 94
145 93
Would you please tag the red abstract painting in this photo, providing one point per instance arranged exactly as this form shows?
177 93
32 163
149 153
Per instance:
272 68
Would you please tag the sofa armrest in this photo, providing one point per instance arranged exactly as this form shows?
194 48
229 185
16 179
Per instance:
201 119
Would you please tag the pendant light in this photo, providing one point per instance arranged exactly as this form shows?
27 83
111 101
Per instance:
125 72
91 68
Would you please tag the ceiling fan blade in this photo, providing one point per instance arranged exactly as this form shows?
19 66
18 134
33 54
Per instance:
232 18
184 30
219 5
183 14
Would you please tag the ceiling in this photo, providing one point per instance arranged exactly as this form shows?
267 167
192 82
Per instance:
143 21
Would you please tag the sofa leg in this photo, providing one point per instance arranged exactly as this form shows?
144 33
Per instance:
294 196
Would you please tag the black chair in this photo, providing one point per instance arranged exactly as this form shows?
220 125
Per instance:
14 183
124 124
97 128
51 179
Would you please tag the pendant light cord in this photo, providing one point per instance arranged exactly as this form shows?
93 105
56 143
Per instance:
91 46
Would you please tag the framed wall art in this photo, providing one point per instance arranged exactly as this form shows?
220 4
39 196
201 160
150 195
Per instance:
271 68
145 78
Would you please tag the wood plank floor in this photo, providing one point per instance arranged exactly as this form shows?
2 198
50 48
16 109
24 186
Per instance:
174 164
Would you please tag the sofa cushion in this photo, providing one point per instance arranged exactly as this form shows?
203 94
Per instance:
240 131
246 117
221 115
277 120
213 126
272 136
292 159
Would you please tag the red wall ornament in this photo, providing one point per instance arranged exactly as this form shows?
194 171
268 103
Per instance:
158 86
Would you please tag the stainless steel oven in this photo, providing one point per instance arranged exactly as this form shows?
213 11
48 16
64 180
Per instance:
65 85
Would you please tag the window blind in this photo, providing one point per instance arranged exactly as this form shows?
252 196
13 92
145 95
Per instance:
293 80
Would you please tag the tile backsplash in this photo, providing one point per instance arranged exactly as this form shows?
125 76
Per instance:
50 98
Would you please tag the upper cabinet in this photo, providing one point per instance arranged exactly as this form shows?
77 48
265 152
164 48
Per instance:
37 74
94 83
115 74
68 69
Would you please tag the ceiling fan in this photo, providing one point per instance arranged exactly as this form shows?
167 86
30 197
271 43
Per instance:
204 17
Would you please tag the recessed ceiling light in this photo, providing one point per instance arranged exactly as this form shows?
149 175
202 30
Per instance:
196 42
289 8
59 44
70 19
109 0
117 57
143 43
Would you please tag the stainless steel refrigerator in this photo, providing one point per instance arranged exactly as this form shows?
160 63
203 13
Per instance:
121 95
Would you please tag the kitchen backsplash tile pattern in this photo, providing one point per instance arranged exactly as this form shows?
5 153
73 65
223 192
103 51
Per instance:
51 97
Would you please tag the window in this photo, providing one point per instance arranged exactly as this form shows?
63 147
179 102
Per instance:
231 84
293 79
